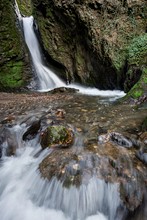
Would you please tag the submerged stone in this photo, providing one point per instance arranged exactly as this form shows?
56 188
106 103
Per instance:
141 155
31 131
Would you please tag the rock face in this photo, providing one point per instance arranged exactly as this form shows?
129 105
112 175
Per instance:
14 62
101 43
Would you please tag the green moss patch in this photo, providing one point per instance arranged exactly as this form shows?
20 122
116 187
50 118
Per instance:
14 63
137 51
57 136
11 75
140 87
25 7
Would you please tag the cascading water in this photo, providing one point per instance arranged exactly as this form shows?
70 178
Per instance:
24 195
47 78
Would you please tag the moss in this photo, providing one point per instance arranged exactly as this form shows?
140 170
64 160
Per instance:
137 50
144 77
104 35
134 53
25 7
80 59
11 75
14 62
120 59
140 87
137 94
56 135
49 13
137 67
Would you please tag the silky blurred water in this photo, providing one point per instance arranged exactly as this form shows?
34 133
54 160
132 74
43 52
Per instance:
25 195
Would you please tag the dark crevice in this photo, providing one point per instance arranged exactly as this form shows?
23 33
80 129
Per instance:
95 6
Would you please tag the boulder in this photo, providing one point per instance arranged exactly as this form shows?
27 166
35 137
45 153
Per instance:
57 136
32 131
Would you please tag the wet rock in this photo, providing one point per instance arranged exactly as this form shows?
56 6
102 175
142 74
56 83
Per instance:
8 141
110 163
120 140
141 155
8 119
115 137
103 138
32 131
144 125
57 136
60 113
143 137
63 90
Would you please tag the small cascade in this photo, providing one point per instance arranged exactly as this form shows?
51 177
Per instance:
29 197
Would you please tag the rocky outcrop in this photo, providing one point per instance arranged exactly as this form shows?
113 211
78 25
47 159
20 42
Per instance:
14 61
99 42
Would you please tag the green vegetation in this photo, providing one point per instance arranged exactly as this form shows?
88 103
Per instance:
25 7
57 135
137 50
140 87
11 75
137 57
120 59
14 66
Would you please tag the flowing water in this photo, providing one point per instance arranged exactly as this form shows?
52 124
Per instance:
47 78
24 195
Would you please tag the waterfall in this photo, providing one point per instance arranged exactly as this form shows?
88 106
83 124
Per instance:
48 80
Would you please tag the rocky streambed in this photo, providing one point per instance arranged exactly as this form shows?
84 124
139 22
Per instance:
89 137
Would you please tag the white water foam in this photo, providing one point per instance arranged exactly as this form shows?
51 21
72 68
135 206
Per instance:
47 78
25 195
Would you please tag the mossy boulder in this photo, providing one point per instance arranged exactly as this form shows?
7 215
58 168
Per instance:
57 136
14 62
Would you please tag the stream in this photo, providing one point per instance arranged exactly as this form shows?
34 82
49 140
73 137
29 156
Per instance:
25 195
99 177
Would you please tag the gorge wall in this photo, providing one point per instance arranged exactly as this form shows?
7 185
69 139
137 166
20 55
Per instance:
101 43
95 42
15 65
